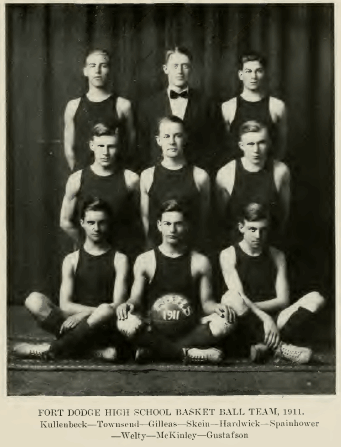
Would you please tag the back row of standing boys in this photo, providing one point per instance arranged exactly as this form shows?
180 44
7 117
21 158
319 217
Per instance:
102 199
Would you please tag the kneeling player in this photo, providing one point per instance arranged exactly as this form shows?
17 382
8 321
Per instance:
174 269
94 283
258 291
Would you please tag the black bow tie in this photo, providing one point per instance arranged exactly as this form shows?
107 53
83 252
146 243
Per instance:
174 95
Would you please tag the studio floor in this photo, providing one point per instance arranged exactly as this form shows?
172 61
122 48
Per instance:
91 378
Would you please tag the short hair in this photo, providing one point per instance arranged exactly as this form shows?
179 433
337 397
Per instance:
251 126
172 206
170 119
101 129
93 203
97 51
253 212
251 56
178 49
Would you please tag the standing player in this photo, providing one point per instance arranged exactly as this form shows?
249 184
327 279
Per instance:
255 177
255 104
173 268
200 115
258 291
98 105
173 178
94 283
108 181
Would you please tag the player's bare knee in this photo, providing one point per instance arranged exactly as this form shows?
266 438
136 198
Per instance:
105 310
35 302
235 301
313 301
220 327
129 326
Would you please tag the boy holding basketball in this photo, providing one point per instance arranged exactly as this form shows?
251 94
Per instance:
94 283
258 291
174 269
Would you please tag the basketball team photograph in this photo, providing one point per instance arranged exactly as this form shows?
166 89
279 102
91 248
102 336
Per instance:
170 199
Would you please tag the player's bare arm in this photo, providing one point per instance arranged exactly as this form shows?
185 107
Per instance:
69 204
228 267
69 132
202 271
76 311
282 181
228 110
144 269
147 177
202 182
281 301
121 265
224 186
132 181
278 114
124 109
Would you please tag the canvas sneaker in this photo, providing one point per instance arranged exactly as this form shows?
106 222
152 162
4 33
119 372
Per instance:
33 351
211 355
295 354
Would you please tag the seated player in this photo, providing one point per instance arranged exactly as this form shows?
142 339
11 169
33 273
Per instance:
255 177
258 291
105 179
173 178
254 104
98 105
94 283
173 268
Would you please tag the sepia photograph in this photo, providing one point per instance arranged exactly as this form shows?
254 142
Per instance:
170 199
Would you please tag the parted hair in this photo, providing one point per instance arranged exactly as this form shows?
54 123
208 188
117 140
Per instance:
172 206
178 49
251 56
93 203
251 126
97 51
101 129
253 212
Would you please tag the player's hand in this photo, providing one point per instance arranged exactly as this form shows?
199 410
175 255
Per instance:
271 333
123 310
72 322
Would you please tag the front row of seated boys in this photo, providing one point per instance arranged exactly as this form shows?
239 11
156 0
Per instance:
97 316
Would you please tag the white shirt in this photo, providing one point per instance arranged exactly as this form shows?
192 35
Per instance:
178 105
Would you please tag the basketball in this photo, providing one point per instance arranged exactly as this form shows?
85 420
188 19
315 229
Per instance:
172 314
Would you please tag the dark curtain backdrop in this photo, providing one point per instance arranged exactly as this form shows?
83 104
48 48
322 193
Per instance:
45 50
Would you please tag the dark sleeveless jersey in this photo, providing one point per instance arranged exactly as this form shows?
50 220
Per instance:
172 275
172 184
94 278
257 274
113 190
252 111
87 115
254 187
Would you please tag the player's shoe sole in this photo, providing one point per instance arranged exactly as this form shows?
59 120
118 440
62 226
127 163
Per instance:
108 354
32 351
211 355
294 354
